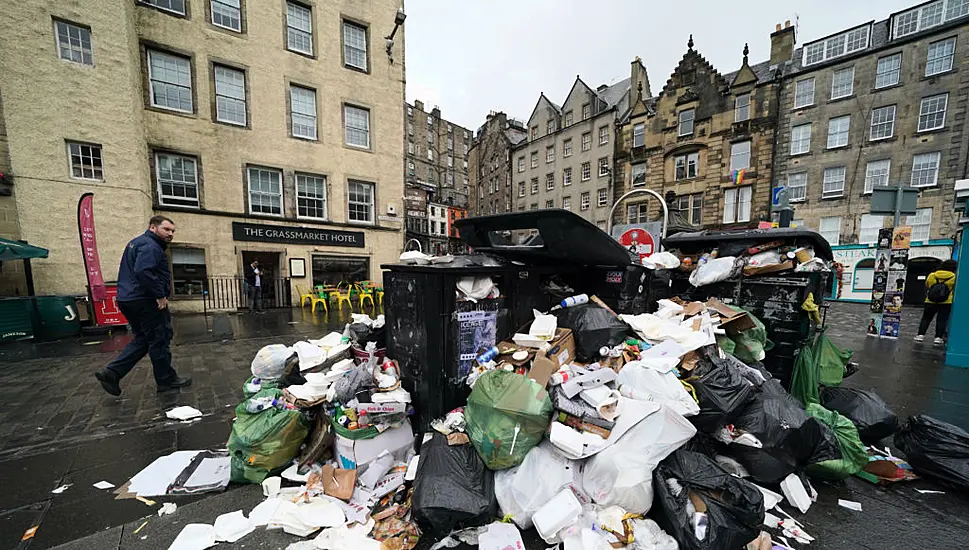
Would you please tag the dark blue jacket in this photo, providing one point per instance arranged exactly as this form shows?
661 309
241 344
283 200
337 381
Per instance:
144 272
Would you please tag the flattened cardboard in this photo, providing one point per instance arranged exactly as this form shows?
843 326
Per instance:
561 352
730 320
693 308
750 271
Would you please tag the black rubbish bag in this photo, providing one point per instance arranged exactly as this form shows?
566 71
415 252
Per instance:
362 334
734 515
936 449
791 439
593 327
869 412
453 489
722 392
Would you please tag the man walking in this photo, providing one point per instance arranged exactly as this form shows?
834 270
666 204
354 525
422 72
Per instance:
144 281
253 276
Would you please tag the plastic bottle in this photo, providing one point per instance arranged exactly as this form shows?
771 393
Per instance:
260 404
489 355
559 378
254 385
576 300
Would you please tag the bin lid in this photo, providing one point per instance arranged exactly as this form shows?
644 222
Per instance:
559 237
689 243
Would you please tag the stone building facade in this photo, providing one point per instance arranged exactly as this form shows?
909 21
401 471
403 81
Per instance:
878 103
490 163
265 130
567 159
704 143
436 176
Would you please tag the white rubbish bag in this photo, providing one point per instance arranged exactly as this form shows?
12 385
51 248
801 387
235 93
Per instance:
638 380
715 270
270 362
522 490
622 474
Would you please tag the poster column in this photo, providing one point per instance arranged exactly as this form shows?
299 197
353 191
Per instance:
888 286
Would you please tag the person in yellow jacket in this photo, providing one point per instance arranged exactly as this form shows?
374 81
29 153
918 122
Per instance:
939 287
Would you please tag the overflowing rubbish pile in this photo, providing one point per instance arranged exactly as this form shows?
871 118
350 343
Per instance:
598 430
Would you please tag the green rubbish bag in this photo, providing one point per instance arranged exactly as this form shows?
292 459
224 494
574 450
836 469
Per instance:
263 385
507 415
264 442
819 362
854 456
752 344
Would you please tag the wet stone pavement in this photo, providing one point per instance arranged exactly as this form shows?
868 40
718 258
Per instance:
57 426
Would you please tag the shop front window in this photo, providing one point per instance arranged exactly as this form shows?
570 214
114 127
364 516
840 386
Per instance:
188 271
333 270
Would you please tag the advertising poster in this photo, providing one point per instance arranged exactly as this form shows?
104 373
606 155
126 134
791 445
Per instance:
477 331
888 283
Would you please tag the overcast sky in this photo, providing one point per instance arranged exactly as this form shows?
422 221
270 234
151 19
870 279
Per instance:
473 56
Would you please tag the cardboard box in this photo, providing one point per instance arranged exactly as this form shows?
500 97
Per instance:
730 320
764 270
561 353
397 441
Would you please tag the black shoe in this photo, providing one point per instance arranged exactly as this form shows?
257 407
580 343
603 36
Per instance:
851 368
179 382
109 381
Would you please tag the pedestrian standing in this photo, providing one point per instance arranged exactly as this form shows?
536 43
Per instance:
144 283
939 288
253 276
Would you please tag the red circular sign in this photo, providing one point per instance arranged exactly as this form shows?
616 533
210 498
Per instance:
637 241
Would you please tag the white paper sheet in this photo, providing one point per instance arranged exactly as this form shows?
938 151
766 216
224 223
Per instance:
263 512
184 413
154 480
232 526
195 536
849 504
210 472
103 485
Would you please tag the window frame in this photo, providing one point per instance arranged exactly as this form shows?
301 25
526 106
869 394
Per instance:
567 176
549 154
897 71
837 45
359 26
567 148
632 174
912 222
933 114
681 121
741 108
800 140
73 49
821 230
521 189
169 9
325 199
533 160
844 89
93 168
639 131
825 181
567 119
174 253
602 197
603 135
937 168
316 130
799 96
586 171
225 3
534 185
369 129
940 59
802 186
149 55
587 141
550 181
158 181
373 201
585 201
734 155
687 158
733 211
869 176
521 164
603 167
914 22
218 97
891 123
838 144
289 28
282 191
864 230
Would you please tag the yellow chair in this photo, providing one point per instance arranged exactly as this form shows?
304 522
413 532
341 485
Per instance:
342 295
303 297
319 300
380 295
365 292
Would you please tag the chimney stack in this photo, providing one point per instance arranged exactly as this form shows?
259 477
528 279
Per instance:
782 43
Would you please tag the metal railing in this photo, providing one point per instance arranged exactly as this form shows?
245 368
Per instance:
231 293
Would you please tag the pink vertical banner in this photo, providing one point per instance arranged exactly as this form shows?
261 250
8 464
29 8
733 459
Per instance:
89 247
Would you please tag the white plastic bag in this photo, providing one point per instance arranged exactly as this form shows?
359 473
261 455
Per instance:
661 260
622 474
638 380
475 288
501 536
270 362
765 258
714 271
524 489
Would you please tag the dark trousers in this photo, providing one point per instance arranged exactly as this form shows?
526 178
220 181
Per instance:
941 324
255 296
153 333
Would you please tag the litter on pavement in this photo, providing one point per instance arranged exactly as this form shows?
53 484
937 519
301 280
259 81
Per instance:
576 420
104 485
184 413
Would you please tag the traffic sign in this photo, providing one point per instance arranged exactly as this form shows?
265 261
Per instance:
638 241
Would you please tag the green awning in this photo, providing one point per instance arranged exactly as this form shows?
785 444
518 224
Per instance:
12 250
